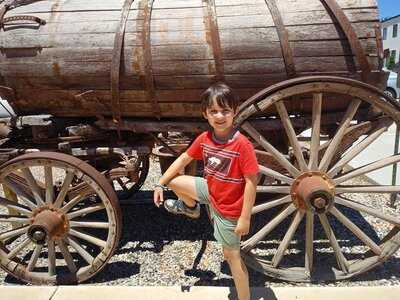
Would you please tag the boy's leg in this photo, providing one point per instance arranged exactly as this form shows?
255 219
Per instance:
185 188
239 272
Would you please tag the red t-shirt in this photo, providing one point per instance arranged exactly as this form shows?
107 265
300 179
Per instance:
225 166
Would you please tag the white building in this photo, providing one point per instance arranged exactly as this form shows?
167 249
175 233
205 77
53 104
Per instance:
391 38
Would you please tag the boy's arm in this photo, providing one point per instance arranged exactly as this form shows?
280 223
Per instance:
249 197
182 161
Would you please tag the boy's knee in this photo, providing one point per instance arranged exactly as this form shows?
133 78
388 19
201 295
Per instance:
175 183
231 254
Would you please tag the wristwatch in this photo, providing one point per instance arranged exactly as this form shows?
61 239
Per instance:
165 188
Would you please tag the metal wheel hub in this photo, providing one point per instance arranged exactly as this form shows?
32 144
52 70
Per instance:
313 191
48 224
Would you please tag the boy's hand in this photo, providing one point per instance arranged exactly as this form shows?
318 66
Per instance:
158 196
242 226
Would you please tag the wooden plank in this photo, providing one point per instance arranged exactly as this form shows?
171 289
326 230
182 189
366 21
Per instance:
328 31
294 18
130 55
185 95
66 40
129 109
68 69
300 4
71 5
180 52
244 36
254 66
257 81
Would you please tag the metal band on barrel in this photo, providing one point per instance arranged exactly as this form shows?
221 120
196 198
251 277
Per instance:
283 38
148 61
351 36
116 63
210 17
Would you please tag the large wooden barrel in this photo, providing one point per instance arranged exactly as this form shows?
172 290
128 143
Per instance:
174 49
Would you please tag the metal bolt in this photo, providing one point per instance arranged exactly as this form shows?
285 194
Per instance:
319 202
39 235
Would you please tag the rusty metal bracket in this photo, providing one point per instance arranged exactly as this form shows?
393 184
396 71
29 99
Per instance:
283 34
116 63
212 34
351 35
148 62
8 6
24 18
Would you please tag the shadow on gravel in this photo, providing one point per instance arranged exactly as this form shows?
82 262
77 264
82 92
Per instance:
145 223
147 228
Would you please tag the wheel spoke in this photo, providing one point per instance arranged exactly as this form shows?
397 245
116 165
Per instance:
78 198
368 210
271 149
15 188
21 246
81 251
341 260
12 233
48 177
287 238
36 190
85 211
34 258
309 252
356 230
251 242
17 207
315 131
276 189
271 204
274 174
51 257
67 256
89 238
291 134
367 168
333 145
64 189
367 189
355 151
13 219
89 224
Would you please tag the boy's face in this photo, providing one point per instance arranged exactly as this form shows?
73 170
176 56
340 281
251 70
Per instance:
220 118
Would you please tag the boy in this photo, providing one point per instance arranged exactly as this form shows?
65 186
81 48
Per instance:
229 186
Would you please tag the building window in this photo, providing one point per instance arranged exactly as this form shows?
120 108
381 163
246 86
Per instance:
395 30
384 33
391 60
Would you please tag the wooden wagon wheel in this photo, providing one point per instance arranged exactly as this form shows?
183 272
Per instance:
316 190
126 187
56 233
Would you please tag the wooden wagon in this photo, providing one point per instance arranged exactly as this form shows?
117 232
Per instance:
97 84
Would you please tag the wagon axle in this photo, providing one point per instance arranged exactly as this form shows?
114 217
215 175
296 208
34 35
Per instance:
313 191
48 224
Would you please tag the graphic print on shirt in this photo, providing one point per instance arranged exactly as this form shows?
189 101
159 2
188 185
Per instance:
217 163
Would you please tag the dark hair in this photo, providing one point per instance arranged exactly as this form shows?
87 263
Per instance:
222 93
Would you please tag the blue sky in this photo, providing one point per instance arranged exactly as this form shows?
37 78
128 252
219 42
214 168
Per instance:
388 8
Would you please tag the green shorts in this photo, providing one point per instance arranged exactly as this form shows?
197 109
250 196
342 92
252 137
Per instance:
223 228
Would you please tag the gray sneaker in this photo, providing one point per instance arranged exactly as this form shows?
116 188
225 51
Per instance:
178 207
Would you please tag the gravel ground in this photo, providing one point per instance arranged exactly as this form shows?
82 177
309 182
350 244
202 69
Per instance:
161 249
